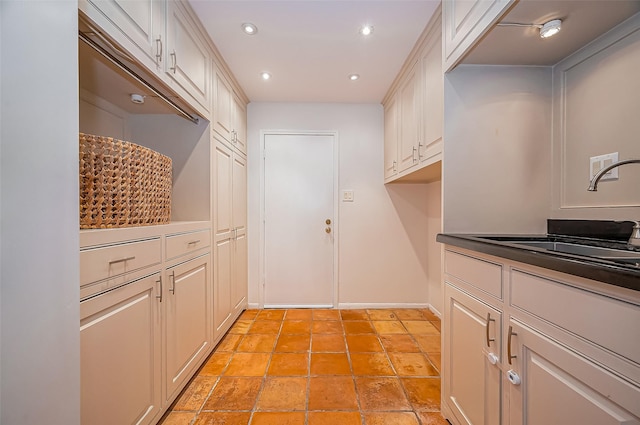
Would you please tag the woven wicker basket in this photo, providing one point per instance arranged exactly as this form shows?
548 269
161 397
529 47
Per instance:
122 184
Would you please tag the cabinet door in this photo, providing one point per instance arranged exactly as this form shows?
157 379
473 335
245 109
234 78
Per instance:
120 350
188 60
409 120
239 125
187 307
430 146
465 22
239 258
471 379
391 138
137 25
560 386
222 112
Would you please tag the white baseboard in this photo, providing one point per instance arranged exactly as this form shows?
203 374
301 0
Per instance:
360 306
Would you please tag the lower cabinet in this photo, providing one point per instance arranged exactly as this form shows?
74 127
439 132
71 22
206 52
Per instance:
120 365
187 318
540 348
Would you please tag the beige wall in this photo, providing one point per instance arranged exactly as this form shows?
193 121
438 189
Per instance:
597 105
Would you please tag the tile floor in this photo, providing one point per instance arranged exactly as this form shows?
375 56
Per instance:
319 367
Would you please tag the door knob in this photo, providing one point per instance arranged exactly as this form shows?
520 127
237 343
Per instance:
328 230
328 221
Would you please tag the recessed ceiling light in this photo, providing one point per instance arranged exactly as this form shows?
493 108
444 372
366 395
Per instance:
353 77
366 30
550 28
249 28
265 75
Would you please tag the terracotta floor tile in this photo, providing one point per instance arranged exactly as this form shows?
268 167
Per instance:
423 393
399 343
381 394
332 393
363 343
298 314
326 327
328 343
257 343
330 364
436 360
409 314
283 394
216 364
382 314
428 314
358 327
271 314
223 418
354 315
389 327
196 393
432 418
289 364
429 343
437 324
248 364
234 394
412 364
296 327
249 314
269 327
326 314
291 343
391 418
179 418
334 418
229 343
371 364
420 327
278 418
241 327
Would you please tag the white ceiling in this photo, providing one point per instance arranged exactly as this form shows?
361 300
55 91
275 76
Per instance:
310 47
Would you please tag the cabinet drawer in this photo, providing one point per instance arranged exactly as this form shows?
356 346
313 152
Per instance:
606 322
114 261
181 244
478 273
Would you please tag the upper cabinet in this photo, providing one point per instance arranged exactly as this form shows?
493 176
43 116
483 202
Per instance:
465 22
413 111
229 113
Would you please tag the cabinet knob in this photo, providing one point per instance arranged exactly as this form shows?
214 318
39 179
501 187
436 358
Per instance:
328 230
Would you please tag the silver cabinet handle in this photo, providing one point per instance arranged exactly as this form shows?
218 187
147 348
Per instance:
413 155
172 277
419 147
193 242
160 282
174 60
395 165
159 49
489 319
511 333
122 260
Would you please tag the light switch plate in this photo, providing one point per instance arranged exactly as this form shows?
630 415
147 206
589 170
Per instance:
597 163
347 196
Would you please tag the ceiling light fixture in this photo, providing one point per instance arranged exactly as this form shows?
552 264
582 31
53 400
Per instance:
366 30
353 77
137 98
265 76
249 28
547 29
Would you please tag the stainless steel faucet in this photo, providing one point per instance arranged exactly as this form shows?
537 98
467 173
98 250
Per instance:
634 239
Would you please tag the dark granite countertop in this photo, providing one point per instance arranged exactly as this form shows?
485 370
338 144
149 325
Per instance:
623 274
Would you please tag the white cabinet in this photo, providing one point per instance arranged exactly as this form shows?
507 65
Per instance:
136 25
187 302
390 138
188 61
432 115
409 97
472 382
465 22
230 236
120 367
229 113
514 353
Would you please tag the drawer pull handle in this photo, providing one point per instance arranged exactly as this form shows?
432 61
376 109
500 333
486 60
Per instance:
489 319
172 289
193 242
160 282
122 260
511 333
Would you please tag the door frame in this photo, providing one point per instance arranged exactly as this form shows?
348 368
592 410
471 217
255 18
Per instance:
336 220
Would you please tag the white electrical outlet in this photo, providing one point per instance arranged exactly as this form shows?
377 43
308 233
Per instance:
597 163
347 196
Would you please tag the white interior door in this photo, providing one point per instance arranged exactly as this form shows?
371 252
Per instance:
298 226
